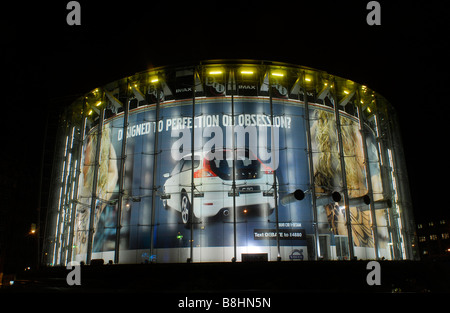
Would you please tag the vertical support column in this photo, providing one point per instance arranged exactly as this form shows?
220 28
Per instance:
275 187
312 182
155 164
397 192
393 179
77 178
62 196
191 211
53 209
343 175
94 187
368 176
387 187
233 185
123 157
67 196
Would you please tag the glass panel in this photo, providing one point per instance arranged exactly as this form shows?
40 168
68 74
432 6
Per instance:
173 202
355 169
86 185
327 167
107 184
254 199
67 186
389 177
367 110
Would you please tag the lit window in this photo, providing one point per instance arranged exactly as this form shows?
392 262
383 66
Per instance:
442 222
445 236
433 237
422 239
431 224
419 226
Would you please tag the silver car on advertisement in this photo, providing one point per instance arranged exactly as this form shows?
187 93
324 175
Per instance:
213 185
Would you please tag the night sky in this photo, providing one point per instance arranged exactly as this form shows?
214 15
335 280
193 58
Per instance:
46 64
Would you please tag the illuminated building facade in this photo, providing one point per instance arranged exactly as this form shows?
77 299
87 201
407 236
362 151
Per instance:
226 161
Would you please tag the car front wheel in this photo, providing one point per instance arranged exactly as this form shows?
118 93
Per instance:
185 208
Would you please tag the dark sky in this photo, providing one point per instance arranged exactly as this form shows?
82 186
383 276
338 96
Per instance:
46 63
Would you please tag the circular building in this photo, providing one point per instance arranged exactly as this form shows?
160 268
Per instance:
225 161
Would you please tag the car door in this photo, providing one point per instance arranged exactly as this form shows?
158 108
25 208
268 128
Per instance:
172 186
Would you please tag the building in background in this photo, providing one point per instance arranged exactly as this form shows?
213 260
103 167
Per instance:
224 161
434 239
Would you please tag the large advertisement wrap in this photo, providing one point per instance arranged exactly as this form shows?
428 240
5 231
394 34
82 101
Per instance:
229 162
201 184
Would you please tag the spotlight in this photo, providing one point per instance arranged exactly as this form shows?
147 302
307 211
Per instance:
297 195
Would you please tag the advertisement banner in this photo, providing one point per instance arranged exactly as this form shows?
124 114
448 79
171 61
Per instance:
200 160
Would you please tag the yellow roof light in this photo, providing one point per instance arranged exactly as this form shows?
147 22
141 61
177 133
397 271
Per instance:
154 79
346 92
215 72
98 103
247 70
277 74
90 112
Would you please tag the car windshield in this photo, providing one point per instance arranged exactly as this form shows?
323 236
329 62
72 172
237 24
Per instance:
245 167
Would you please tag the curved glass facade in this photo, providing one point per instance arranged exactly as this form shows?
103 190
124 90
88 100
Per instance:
227 161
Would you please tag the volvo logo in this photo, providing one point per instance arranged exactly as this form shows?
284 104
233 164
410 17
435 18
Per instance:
296 254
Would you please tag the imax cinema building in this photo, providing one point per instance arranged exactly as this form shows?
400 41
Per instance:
224 161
